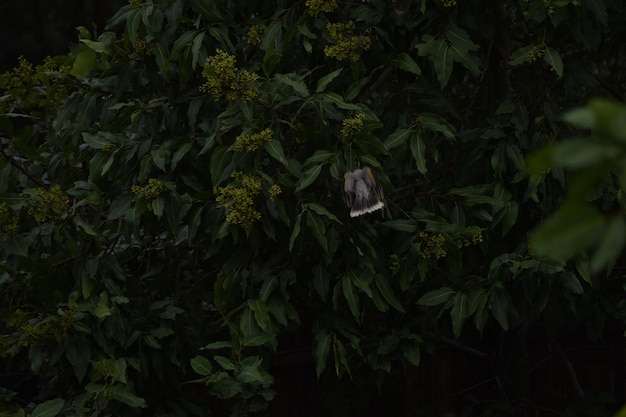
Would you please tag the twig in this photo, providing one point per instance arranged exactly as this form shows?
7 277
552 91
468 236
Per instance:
12 162
464 348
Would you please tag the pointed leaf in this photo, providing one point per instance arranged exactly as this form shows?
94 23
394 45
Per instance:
275 149
418 146
49 408
325 80
499 304
309 177
324 339
353 299
295 232
316 225
459 312
406 63
436 297
398 138
201 365
122 394
387 292
552 57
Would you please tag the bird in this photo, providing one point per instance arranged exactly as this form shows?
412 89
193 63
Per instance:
361 192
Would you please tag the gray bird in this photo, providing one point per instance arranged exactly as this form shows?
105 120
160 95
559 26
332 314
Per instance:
361 191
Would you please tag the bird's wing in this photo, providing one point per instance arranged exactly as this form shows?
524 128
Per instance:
348 188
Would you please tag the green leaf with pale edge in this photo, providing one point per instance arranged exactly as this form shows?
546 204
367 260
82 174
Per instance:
406 63
323 212
322 347
418 146
122 394
552 57
353 299
295 232
325 80
361 284
573 228
398 138
201 365
436 297
49 408
499 304
316 225
309 177
387 292
459 312
275 149
401 225
610 247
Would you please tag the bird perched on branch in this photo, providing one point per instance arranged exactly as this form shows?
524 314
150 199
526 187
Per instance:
361 191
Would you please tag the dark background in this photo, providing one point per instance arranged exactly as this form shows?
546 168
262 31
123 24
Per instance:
38 28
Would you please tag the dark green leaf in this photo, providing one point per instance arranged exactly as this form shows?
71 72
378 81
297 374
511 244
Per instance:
387 292
309 177
499 304
49 408
406 63
611 245
398 138
275 150
401 225
121 393
325 80
322 347
323 212
574 227
295 232
351 297
459 312
436 297
553 58
261 314
418 150
201 365
316 225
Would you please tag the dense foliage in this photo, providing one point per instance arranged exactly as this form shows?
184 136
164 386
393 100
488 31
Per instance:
171 208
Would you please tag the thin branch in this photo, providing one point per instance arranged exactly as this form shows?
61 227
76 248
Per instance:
464 348
13 163
568 365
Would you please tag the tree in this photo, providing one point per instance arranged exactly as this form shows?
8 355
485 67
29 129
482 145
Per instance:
171 195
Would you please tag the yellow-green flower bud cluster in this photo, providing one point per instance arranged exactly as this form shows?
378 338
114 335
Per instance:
432 246
549 6
28 77
224 80
448 3
250 143
535 53
238 199
352 126
316 6
143 47
151 191
395 263
34 328
347 44
475 239
45 204
275 191
135 3
67 317
255 34
8 223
